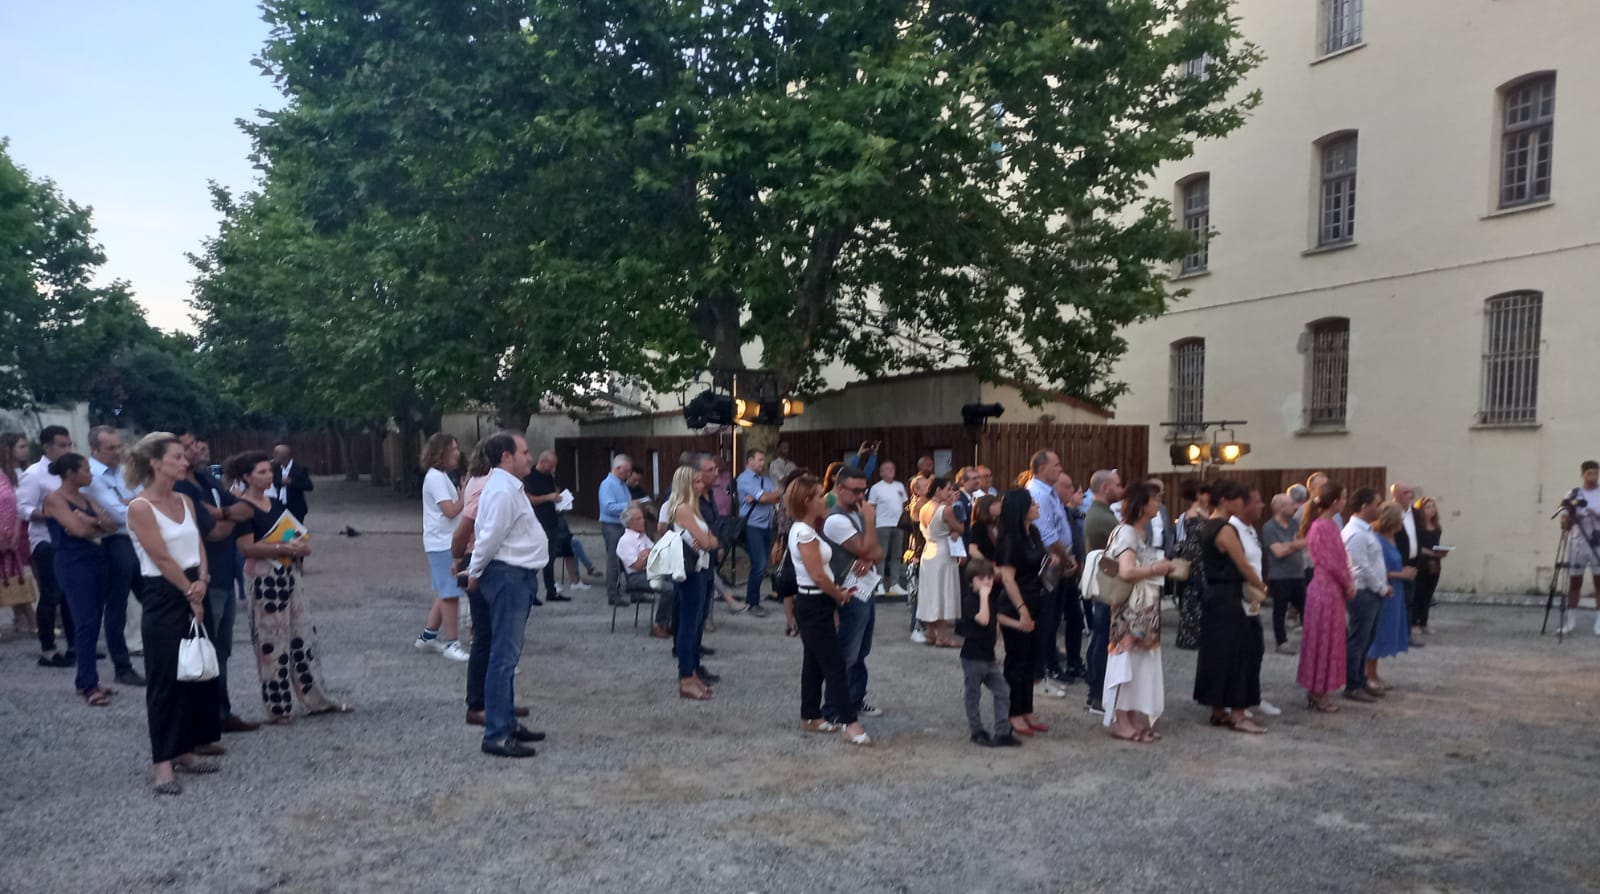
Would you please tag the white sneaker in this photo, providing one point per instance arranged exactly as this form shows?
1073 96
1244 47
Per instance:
918 637
1570 624
428 645
1052 689
580 585
454 652
1597 623
1269 709
898 590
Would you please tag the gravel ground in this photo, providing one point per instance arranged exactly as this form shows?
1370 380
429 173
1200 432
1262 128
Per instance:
1477 774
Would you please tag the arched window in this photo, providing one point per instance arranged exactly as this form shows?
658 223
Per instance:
1511 324
1336 206
1527 139
1194 197
1327 350
1187 381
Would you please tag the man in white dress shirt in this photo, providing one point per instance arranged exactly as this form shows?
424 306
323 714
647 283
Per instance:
509 550
33 485
1372 586
112 493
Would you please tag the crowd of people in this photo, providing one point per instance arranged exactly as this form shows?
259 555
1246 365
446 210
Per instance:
149 546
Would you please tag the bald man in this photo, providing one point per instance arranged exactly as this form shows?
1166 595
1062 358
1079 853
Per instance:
1286 567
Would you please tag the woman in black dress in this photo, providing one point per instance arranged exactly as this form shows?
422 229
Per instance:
1017 557
1191 593
1428 556
1228 669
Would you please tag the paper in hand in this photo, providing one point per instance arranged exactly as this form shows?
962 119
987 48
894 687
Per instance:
565 503
862 586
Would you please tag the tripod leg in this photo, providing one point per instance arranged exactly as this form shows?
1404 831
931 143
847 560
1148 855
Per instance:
1557 591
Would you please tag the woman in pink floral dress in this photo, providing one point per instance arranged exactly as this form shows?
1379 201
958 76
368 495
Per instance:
1322 649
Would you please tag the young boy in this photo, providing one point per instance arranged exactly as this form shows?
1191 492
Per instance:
978 664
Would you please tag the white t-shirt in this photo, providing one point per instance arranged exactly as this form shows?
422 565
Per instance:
1588 517
436 529
1252 543
889 498
838 528
799 533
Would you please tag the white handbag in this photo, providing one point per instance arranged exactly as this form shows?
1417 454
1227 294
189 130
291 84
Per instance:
197 658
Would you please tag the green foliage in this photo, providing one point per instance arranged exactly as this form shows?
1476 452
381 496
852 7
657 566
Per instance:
512 198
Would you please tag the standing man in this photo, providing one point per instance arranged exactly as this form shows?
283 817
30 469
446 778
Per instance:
1071 594
544 494
851 529
1405 495
508 551
1286 567
122 564
757 496
967 494
33 485
889 498
1098 524
1056 535
290 480
924 467
1582 524
218 515
1372 586
614 498
1160 532
781 465
1244 524
986 482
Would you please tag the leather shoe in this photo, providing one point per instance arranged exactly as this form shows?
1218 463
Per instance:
523 734
508 748
982 738
237 724
558 597
129 677
1375 691
707 650
1006 741
1359 695
476 718
659 632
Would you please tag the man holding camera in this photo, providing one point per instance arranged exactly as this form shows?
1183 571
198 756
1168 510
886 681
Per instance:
1581 521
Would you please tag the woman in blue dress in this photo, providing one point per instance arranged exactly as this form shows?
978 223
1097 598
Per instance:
1394 634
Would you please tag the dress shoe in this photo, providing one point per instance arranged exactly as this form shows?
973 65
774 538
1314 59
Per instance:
1359 695
210 749
508 748
659 632
559 597
1007 741
523 734
59 659
129 677
1377 691
982 738
236 724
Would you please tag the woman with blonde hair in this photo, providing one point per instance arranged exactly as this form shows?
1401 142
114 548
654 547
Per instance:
182 715
1393 634
689 526
441 510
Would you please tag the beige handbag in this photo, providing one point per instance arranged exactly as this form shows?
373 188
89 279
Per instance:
19 590
1180 569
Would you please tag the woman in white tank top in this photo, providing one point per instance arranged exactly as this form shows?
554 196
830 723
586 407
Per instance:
173 562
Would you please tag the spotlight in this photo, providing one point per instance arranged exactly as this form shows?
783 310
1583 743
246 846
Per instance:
977 414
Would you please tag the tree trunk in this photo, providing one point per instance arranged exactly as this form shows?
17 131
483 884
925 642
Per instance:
379 461
347 454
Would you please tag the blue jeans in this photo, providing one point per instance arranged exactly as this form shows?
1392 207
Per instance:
1048 624
758 542
122 578
856 619
1099 641
1363 614
691 619
509 591
221 609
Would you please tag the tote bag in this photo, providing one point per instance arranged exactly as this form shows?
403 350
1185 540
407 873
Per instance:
197 658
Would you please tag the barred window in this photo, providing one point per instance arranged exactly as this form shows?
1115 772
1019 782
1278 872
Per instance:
1199 67
1336 221
1328 372
1341 24
1188 381
1527 142
1197 221
1511 359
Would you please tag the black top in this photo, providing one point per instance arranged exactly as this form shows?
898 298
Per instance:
979 642
261 521
222 556
638 492
982 537
541 484
1220 567
1023 556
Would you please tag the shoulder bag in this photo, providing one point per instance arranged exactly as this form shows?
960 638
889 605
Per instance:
197 658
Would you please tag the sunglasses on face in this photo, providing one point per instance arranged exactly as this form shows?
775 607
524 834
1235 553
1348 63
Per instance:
856 490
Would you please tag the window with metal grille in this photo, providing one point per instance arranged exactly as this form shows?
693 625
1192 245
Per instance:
1199 67
1188 381
1197 221
1328 373
1527 142
1511 359
1336 221
1341 24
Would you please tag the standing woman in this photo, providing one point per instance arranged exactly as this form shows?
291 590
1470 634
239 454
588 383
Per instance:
441 508
1322 643
815 609
1228 669
939 585
283 636
683 509
172 560
984 531
1135 695
19 590
784 583
1019 558
1429 534
1191 592
76 525
1393 635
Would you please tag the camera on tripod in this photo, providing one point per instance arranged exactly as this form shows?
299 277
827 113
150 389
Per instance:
1573 503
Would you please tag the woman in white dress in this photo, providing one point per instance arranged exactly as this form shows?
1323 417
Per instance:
939 585
1135 695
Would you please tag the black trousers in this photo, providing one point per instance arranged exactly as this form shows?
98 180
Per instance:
482 638
1284 593
51 598
181 715
1422 596
1072 625
822 659
1020 648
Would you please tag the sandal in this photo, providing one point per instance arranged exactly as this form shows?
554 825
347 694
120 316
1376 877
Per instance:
1248 726
96 698
339 708
1151 734
170 787
1323 707
692 689
862 741
820 726
1136 737
198 766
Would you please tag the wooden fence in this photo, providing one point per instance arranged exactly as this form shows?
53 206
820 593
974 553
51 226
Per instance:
1004 448
318 451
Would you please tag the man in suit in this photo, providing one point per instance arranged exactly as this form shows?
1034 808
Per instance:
1406 540
1160 532
290 480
